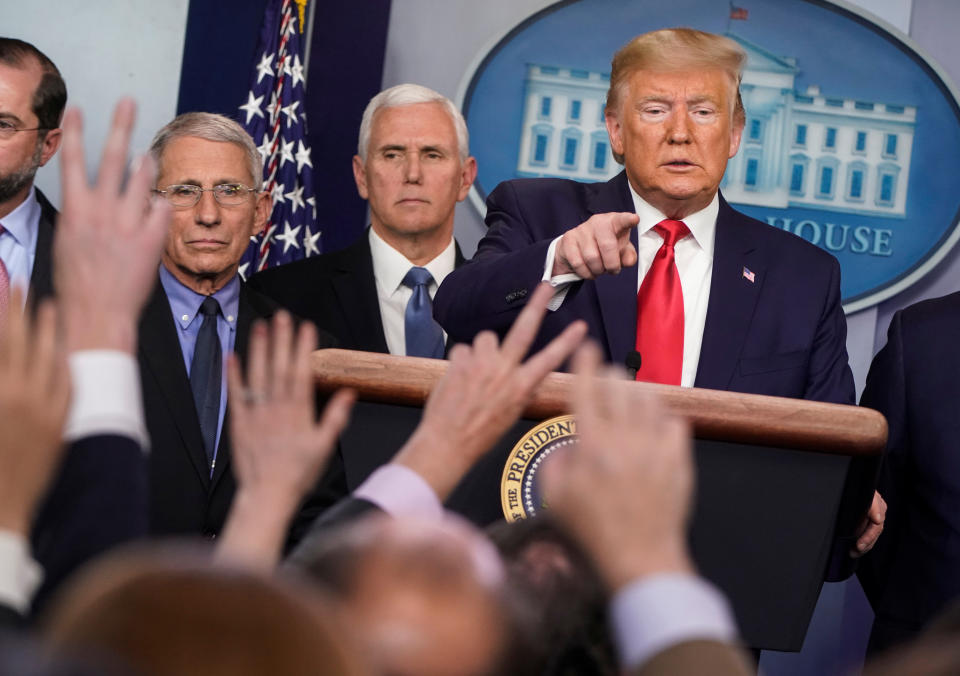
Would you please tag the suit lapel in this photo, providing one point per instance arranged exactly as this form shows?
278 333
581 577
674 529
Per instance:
356 291
617 294
160 349
41 278
733 299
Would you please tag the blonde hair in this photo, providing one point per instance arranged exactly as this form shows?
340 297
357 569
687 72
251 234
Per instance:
676 49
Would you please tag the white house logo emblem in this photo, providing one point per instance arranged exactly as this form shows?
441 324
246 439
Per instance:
849 140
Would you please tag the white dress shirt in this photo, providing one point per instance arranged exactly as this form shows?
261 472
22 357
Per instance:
694 259
389 268
18 242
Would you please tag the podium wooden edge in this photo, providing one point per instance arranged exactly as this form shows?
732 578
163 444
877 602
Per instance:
713 414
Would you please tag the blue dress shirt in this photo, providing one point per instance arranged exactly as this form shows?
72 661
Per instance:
18 243
185 305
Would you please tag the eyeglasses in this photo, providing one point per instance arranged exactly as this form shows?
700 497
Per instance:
8 129
226 194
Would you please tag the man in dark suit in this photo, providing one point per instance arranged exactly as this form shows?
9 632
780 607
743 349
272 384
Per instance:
723 301
209 171
413 166
913 573
32 99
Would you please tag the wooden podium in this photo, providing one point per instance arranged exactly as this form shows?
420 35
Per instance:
782 484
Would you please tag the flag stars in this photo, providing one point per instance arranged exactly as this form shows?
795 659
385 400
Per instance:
312 201
310 241
296 199
286 153
264 68
296 71
289 237
278 194
266 147
303 156
291 113
252 107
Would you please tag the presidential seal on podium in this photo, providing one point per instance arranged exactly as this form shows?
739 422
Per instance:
520 492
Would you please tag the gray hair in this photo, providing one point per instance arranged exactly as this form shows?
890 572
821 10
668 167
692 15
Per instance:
209 127
408 95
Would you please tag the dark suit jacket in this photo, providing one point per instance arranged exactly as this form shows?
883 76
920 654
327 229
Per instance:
914 570
184 498
336 291
783 334
97 500
41 277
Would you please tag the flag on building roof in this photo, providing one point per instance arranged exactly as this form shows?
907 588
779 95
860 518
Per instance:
274 116
738 13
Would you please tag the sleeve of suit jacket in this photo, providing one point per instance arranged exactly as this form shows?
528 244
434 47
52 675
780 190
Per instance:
885 391
490 290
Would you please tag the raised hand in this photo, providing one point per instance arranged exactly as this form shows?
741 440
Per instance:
625 491
108 238
34 394
482 394
600 245
278 447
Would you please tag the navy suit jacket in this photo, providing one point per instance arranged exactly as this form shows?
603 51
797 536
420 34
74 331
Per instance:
783 334
914 570
97 500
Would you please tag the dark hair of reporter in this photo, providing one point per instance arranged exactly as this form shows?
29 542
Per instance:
162 612
565 599
50 97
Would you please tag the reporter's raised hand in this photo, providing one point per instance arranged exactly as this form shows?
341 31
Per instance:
278 447
108 238
34 394
625 491
484 391
600 245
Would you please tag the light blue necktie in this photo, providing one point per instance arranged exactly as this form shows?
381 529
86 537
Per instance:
424 335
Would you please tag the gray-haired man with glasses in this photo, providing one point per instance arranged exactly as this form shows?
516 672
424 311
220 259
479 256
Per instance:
209 170
32 99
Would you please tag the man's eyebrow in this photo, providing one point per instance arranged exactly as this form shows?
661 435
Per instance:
4 115
391 146
433 149
199 184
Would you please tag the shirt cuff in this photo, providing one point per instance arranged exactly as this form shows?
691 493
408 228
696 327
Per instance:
399 491
560 283
106 396
654 613
20 575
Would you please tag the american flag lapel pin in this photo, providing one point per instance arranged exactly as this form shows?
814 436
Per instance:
749 275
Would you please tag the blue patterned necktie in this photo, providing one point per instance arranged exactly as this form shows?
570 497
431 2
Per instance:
206 376
424 335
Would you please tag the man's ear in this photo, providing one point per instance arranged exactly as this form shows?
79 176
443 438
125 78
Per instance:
262 214
50 145
360 176
468 174
613 131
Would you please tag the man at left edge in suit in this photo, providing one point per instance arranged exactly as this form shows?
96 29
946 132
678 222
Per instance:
32 98
209 171
412 165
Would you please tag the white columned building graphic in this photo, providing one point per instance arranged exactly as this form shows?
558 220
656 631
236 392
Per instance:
809 149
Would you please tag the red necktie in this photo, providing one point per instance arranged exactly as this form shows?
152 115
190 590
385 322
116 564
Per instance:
4 290
660 312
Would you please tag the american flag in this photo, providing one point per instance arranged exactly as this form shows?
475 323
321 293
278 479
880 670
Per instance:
749 275
738 13
274 116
